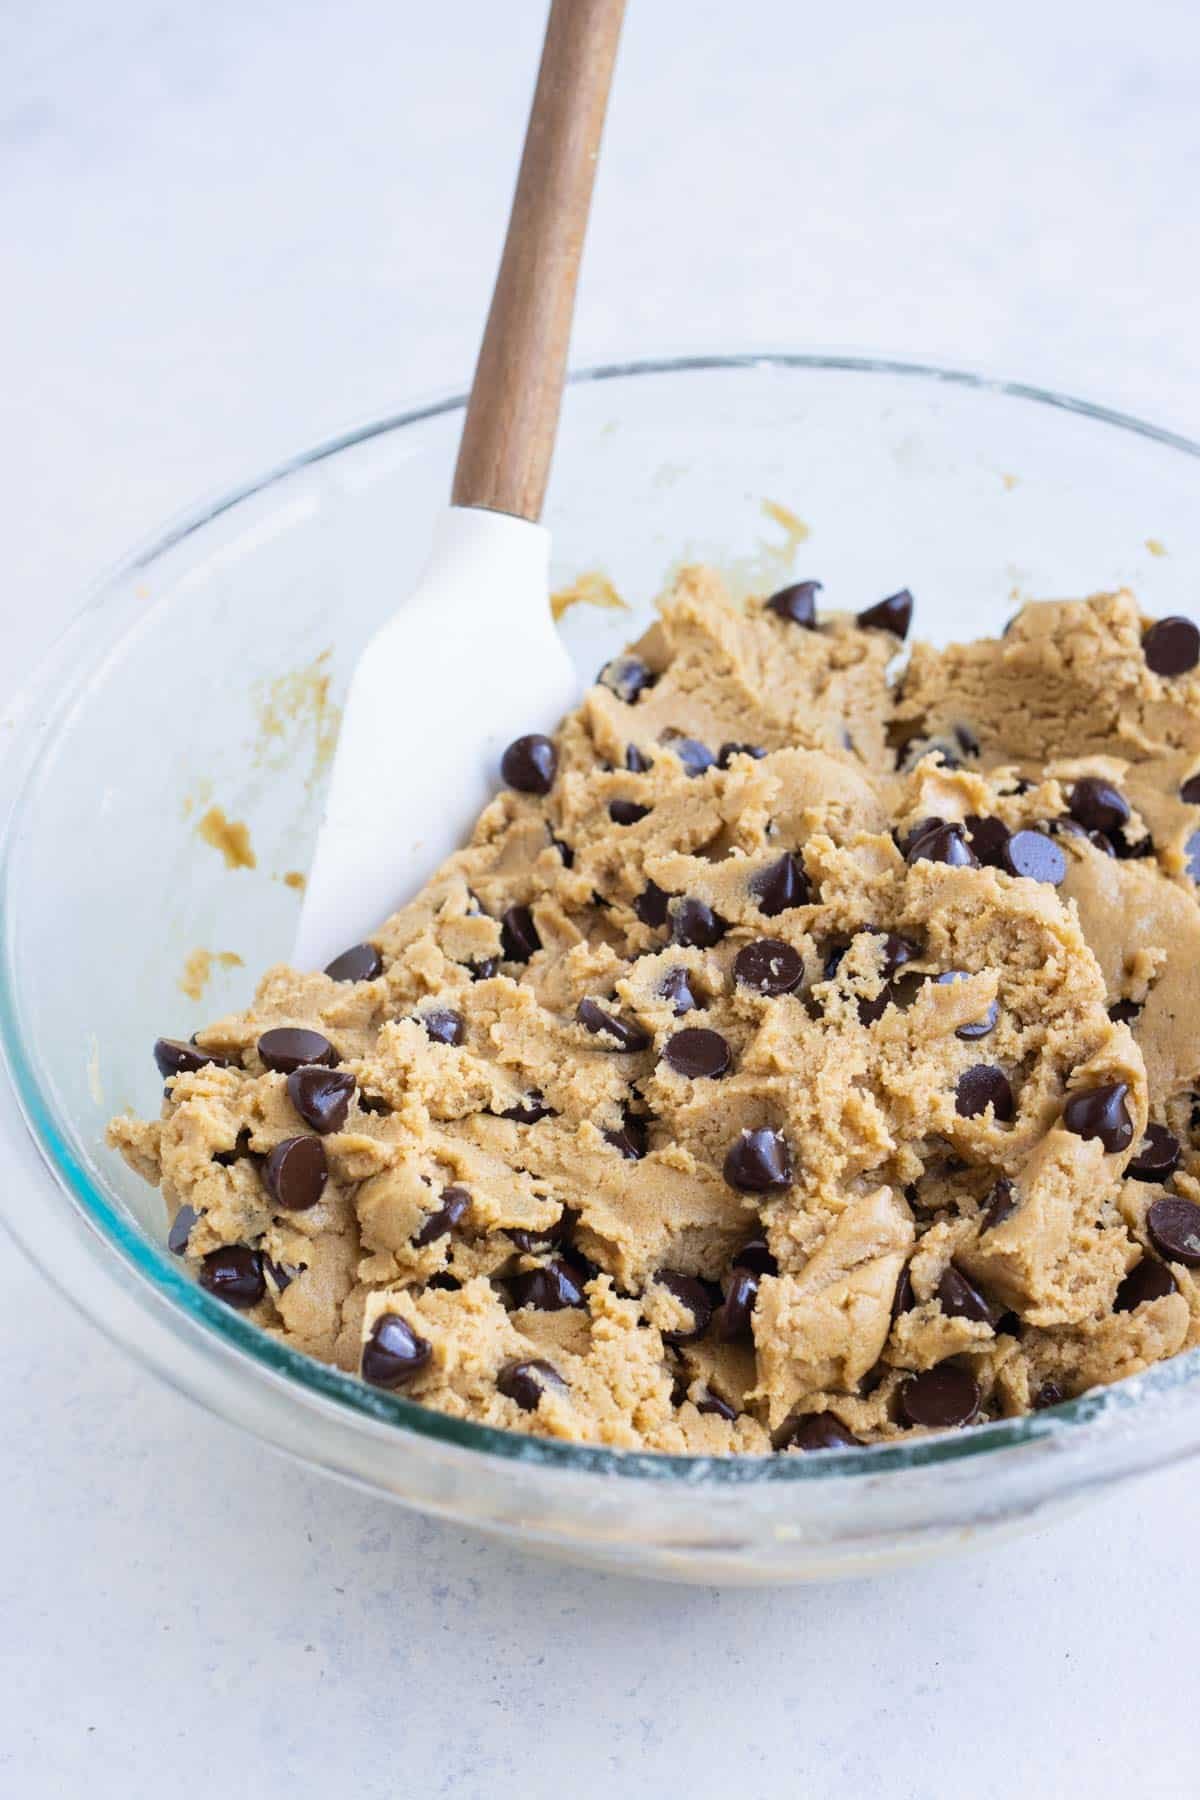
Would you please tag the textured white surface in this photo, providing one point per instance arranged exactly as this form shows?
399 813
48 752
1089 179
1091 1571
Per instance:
231 229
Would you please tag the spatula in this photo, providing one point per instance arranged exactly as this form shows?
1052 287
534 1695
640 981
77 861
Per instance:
472 659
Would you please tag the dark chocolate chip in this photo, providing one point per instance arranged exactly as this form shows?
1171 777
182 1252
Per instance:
782 884
181 1230
818 1431
999 1205
756 1255
697 1054
282 1274
1171 646
560 1232
693 1297
234 1274
727 752
1124 1012
710 1402
519 938
904 1299
1101 1113
1156 1157
630 1140
321 1096
551 1288
362 962
897 951
651 906
893 614
1097 805
695 756
1190 791
1035 856
988 838
627 677
797 603
907 841
940 1397
393 1353
769 966
960 1299
447 1284
627 812
834 958
173 1057
565 852
968 743
1049 1394
976 1028
526 1382
636 761
444 1026
733 1319
871 1010
759 1160
1147 1280
981 1086
697 925
455 1203
676 988
529 1110
530 764
295 1173
483 971
287 1047
944 844
1174 1227
593 1017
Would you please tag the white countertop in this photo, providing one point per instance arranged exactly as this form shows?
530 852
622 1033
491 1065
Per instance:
231 230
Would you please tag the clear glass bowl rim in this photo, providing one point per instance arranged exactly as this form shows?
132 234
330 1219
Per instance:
159 1277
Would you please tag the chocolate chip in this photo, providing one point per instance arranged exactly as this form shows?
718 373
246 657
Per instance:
769 966
444 1026
295 1173
733 1319
1156 1157
629 1037
1171 646
897 951
483 971
455 1203
1101 1113
1035 856
968 743
321 1095
630 1140
1124 1012
940 1397
727 752
904 1299
981 1086
907 841
627 812
173 1057
977 1028
1049 1394
234 1274
759 1160
530 764
287 1047
999 1205
959 1299
560 1232
1147 1280
782 884
1174 1227
893 614
651 906
552 1287
756 1255
989 839
693 1297
565 852
282 1274
695 756
526 1382
627 677
697 925
636 761
241 1148
362 962
697 1054
445 1284
529 1111
944 844
713 1403
676 988
393 1353
797 603
1097 805
181 1230
834 958
818 1431
871 1010
1190 791
519 938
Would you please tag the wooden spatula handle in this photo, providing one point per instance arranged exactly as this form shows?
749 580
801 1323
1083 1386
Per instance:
508 436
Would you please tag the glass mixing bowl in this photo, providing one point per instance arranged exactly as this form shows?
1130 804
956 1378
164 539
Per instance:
200 684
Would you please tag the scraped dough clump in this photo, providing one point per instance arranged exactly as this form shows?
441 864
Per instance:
730 1091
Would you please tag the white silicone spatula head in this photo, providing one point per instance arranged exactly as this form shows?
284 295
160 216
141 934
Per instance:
472 660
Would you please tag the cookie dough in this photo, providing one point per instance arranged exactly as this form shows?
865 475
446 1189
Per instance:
799 1054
